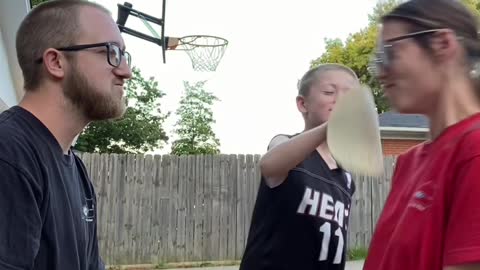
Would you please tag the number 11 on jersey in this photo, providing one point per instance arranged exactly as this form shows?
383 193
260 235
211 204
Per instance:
326 230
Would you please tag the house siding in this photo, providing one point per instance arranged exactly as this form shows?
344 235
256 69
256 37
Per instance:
12 13
7 88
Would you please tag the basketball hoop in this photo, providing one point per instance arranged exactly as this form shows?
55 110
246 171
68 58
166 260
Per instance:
204 51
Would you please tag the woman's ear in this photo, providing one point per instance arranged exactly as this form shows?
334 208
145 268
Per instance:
301 104
444 44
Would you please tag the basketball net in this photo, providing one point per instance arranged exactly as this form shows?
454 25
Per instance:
204 51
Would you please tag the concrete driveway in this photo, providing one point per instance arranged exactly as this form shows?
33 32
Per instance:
351 265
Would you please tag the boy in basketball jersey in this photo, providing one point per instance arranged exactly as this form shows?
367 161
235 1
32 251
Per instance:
300 219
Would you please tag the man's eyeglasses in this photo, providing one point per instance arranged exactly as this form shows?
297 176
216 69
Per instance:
384 55
114 53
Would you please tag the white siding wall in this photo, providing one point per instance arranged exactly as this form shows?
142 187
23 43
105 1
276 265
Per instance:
11 82
7 90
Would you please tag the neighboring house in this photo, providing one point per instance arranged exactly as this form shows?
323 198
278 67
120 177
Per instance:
399 132
11 80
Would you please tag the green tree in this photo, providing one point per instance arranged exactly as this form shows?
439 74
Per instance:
194 127
138 131
34 3
357 49
473 5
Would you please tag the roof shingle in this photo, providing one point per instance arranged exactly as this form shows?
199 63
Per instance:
393 119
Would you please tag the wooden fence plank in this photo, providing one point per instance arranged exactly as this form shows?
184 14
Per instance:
164 197
146 229
156 229
190 207
181 210
224 208
173 216
241 200
199 216
208 192
232 207
139 178
216 207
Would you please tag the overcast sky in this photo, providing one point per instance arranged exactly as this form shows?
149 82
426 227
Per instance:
271 44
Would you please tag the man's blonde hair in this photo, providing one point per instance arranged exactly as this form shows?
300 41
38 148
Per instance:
311 76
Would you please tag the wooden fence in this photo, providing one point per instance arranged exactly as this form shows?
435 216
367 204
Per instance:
166 208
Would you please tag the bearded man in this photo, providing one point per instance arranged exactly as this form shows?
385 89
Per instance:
74 66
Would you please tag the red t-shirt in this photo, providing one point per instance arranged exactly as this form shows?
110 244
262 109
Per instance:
431 218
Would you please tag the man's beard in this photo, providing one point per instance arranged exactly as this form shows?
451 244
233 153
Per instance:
93 103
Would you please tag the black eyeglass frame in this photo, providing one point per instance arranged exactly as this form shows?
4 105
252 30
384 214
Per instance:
108 45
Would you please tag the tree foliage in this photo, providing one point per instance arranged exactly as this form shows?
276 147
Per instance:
357 50
473 5
34 3
194 127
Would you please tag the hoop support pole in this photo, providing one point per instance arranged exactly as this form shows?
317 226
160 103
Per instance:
165 39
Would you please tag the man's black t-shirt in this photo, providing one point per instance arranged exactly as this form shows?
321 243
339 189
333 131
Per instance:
303 222
47 202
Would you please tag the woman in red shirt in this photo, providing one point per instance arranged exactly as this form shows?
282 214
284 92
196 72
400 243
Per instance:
428 61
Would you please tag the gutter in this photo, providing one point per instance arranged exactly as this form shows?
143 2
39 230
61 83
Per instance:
404 133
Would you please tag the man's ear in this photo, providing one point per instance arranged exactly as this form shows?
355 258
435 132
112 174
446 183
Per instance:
54 63
301 104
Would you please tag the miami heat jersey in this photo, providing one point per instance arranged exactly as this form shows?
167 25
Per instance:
302 223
